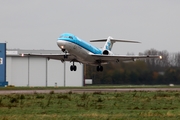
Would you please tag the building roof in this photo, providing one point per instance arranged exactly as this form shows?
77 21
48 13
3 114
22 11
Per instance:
18 52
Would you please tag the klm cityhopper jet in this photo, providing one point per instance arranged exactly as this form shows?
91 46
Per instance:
77 50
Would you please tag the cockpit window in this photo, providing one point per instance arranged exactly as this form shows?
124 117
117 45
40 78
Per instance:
64 36
71 37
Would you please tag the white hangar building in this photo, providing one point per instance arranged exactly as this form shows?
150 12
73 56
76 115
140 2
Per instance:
39 71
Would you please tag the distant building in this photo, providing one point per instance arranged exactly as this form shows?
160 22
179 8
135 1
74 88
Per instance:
39 71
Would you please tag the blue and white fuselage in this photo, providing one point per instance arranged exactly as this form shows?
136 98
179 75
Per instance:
78 48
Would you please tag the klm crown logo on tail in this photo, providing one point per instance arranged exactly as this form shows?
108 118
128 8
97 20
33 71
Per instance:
108 44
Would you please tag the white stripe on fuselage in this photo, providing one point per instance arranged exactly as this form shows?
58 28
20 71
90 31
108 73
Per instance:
77 51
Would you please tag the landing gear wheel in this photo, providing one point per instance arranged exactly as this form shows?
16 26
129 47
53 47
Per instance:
99 68
63 50
73 68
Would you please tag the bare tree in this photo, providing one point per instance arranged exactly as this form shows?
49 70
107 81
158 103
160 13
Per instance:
165 61
157 64
177 59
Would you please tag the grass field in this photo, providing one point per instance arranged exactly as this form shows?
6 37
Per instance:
89 87
126 105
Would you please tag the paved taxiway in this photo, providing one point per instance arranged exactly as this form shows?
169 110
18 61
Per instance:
86 90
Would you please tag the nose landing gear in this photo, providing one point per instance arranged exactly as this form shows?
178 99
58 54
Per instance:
65 56
65 51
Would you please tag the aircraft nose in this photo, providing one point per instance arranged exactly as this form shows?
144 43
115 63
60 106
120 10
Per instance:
61 44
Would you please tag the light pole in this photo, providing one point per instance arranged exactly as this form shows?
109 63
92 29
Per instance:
64 74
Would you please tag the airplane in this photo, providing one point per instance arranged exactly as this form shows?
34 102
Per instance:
77 50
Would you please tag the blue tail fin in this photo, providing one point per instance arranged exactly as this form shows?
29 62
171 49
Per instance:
108 45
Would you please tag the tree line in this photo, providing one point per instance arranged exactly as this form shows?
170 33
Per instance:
144 71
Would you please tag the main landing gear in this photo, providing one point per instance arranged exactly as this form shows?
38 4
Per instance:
99 68
73 67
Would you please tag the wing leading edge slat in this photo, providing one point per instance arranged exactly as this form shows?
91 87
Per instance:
52 56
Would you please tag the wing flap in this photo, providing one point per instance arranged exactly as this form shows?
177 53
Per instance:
115 58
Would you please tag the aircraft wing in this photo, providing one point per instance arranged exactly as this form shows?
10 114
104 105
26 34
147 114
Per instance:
52 56
125 58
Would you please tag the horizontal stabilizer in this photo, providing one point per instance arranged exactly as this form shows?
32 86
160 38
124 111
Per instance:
114 40
110 41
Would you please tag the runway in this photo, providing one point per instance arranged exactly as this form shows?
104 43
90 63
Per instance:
86 90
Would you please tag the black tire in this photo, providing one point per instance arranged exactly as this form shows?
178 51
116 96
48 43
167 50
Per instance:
71 68
98 68
75 68
101 68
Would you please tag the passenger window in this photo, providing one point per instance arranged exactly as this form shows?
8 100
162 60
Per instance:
71 37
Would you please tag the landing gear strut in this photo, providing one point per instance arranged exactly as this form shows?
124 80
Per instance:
65 56
73 67
99 68
65 51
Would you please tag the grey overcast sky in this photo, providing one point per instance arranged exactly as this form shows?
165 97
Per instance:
36 24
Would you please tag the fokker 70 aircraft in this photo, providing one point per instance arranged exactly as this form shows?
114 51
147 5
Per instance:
77 50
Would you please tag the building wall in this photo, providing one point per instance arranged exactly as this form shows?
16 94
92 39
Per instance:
37 71
55 73
72 77
16 71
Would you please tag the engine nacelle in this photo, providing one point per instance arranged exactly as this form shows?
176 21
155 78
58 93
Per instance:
107 52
